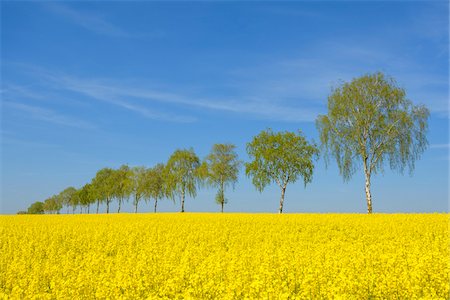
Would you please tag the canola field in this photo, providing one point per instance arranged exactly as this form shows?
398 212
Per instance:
225 256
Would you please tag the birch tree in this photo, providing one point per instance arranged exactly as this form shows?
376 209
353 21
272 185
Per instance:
86 196
139 188
220 170
280 157
103 183
155 184
370 122
181 175
66 195
123 184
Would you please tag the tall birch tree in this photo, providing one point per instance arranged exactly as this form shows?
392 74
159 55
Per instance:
370 121
181 175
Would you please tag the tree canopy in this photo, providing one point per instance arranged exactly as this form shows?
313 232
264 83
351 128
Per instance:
280 157
181 174
123 184
155 184
371 121
104 185
220 169
36 208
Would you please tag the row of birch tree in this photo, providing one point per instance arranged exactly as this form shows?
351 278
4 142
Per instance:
370 121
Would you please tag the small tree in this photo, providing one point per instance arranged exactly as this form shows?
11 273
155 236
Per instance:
155 184
181 174
36 208
52 205
139 185
74 200
104 186
281 158
123 184
85 196
220 169
370 120
66 196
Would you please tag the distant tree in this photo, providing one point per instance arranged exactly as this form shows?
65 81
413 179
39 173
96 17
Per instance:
52 205
86 196
36 208
104 186
370 120
66 195
123 184
74 200
281 158
22 212
220 169
181 174
139 187
155 184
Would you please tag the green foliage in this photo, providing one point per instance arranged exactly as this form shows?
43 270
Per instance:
22 212
369 121
67 196
52 205
155 183
148 184
123 184
139 186
371 118
281 158
36 208
181 174
86 195
220 169
104 186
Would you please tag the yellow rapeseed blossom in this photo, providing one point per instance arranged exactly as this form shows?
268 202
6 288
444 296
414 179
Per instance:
225 256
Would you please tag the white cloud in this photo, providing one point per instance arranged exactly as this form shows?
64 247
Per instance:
88 20
116 93
47 115
440 146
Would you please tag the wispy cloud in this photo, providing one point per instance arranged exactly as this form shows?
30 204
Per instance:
119 94
29 144
292 88
309 76
440 146
47 115
90 21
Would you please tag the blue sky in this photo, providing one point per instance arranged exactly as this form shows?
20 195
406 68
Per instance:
87 85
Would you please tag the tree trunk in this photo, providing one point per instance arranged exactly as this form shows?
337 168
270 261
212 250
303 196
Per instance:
223 196
89 206
120 203
98 204
367 188
182 201
283 190
136 202
107 206
156 203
